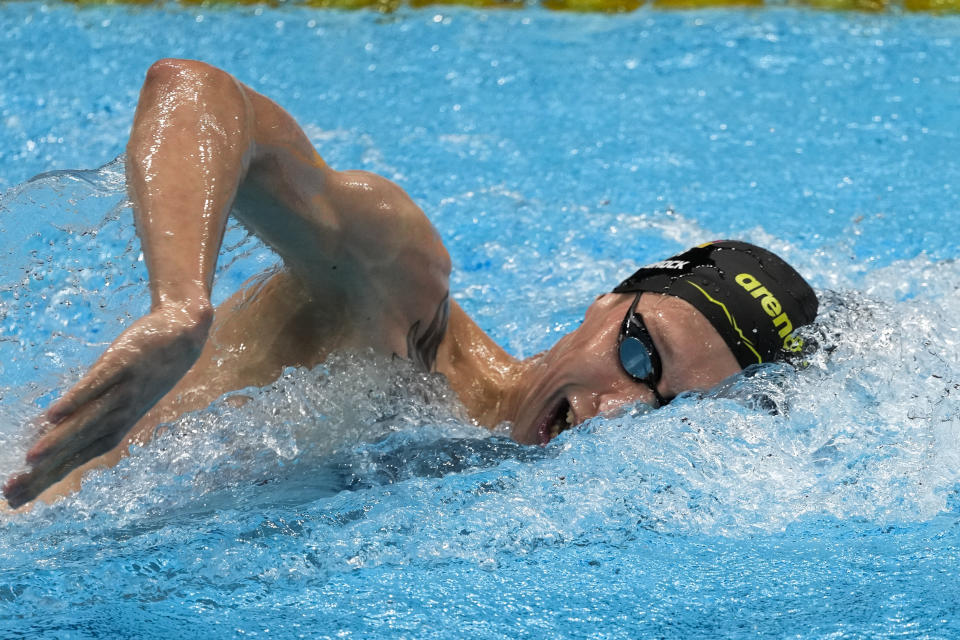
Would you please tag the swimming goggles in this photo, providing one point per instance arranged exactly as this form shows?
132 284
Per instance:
638 355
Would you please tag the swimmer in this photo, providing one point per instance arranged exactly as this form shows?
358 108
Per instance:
362 267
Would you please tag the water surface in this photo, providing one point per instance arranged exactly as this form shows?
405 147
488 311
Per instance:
554 153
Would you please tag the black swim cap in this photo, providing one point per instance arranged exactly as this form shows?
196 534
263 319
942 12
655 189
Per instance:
752 298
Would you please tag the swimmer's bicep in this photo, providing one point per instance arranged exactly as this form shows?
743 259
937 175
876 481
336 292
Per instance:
284 196
279 142
345 228
357 211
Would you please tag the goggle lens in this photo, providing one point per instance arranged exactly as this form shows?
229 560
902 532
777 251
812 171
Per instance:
638 354
635 358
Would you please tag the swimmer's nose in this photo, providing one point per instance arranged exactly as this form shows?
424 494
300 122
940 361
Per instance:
614 402
611 405
588 405
583 406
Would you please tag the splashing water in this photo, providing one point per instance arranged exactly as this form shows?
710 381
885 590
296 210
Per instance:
365 464
356 499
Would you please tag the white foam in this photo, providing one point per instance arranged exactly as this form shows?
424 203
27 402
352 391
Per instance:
870 429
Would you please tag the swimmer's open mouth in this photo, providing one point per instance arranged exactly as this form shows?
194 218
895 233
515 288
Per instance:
556 422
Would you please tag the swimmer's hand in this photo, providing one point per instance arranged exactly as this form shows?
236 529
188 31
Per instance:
138 369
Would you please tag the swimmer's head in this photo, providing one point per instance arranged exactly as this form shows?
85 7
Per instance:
754 299
686 323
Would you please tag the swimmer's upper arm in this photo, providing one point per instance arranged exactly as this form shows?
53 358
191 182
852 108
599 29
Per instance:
348 232
204 145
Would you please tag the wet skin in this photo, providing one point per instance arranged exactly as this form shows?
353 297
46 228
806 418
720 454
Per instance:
582 375
362 268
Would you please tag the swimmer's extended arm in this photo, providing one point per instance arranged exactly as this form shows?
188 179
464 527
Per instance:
178 165
200 139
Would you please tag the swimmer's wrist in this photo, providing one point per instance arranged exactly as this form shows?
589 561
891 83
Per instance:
193 316
193 300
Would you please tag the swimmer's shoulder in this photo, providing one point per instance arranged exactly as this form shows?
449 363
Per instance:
382 219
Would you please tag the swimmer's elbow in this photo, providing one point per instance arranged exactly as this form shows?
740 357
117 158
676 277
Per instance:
167 70
171 82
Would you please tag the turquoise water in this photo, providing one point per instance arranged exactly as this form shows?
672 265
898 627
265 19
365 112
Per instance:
554 153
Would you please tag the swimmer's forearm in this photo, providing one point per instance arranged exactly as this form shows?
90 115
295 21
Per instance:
198 134
189 149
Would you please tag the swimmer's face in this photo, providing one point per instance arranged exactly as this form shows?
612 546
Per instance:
581 376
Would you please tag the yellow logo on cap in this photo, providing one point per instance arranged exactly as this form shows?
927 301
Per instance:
772 306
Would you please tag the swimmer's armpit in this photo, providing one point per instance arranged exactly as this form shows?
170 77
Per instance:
422 347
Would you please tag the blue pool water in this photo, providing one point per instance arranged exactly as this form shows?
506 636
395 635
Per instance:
554 153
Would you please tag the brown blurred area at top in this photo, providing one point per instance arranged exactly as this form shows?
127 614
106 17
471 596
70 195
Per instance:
600 6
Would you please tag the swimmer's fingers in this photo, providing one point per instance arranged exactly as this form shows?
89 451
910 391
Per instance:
141 365
104 375
160 345
86 425
91 432
24 487
18 490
